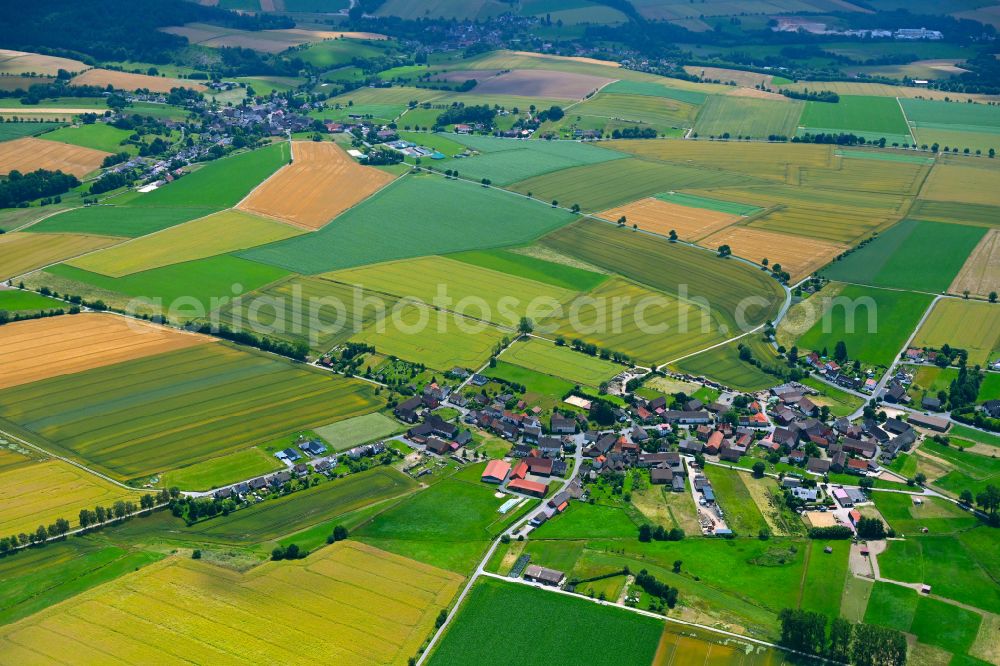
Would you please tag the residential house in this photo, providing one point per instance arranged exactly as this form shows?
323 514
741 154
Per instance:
660 475
561 425
686 418
407 411
818 465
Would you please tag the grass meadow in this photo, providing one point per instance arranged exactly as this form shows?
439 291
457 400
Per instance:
933 622
856 114
723 365
216 472
937 515
748 117
388 226
563 362
98 136
26 301
741 511
477 635
127 221
159 413
351 432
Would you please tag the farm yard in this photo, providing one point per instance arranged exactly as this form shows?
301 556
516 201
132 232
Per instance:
30 154
183 407
321 183
331 593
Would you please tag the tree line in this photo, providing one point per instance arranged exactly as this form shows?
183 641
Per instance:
858 644
19 188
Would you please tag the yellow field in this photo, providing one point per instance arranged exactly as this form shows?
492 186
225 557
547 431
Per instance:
883 90
981 272
21 62
205 237
798 256
963 184
321 183
858 174
741 78
41 348
346 603
660 217
128 81
39 493
21 253
970 325
30 154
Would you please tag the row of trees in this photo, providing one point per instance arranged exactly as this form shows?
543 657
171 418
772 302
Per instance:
19 188
649 533
859 644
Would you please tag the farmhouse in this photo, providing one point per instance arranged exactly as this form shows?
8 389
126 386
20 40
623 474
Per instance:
544 576
929 422
496 471
528 487
561 425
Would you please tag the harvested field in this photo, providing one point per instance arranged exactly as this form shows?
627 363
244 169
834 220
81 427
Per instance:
970 325
322 182
22 62
153 414
128 81
379 606
797 255
542 83
980 274
42 348
739 77
754 93
267 41
205 237
21 252
30 154
39 493
661 217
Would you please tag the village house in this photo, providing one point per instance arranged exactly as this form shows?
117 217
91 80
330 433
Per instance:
545 576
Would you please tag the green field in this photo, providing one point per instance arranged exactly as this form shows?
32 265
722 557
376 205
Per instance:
747 117
265 85
11 131
538 387
175 286
601 186
826 575
478 635
669 267
840 402
872 115
335 52
351 432
924 256
933 622
651 89
531 268
390 226
954 116
429 528
167 411
506 161
589 521
218 184
608 112
971 471
706 203
723 365
23 301
741 512
216 472
99 136
874 323
937 515
545 357
109 220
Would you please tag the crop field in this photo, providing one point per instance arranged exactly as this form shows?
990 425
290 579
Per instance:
649 326
39 493
963 184
866 175
215 472
950 211
748 117
351 432
760 160
926 256
476 636
216 234
963 324
22 62
873 323
42 348
937 515
13 300
30 154
541 83
9 131
427 527
332 593
826 574
97 136
601 186
161 412
707 203
799 256
667 267
219 184
974 141
980 274
188 290
723 365
739 77
388 226
655 89
563 362
637 111
20 252
662 217
268 41
321 183
856 114
924 113
436 338
533 268
277 518
127 221
127 81
458 286
506 161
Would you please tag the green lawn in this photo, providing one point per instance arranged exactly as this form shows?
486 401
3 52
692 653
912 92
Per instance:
21 301
856 114
557 275
924 256
415 216
110 220
933 622
230 468
349 433
545 357
873 323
